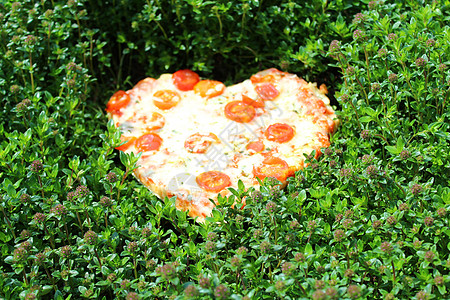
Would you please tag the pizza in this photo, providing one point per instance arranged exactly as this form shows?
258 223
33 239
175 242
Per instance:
197 137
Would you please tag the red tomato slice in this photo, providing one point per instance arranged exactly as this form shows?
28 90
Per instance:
166 99
258 103
129 142
279 132
117 101
213 181
272 167
256 146
199 143
209 88
267 91
185 80
145 84
239 111
148 142
152 122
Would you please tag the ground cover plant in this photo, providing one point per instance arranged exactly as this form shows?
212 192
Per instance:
368 219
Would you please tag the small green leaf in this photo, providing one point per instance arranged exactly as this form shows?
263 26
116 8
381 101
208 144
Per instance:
365 119
308 249
393 150
400 144
58 295
82 289
370 111
11 191
9 260
241 186
5 238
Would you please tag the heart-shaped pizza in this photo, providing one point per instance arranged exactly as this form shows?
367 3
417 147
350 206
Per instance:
198 137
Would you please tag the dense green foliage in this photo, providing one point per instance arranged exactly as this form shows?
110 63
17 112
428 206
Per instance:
226 40
368 219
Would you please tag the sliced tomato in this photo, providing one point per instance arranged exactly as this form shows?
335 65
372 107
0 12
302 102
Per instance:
199 143
166 99
143 87
155 122
239 111
209 88
145 84
148 142
269 75
185 80
279 132
129 142
119 100
272 167
257 103
267 91
213 181
256 146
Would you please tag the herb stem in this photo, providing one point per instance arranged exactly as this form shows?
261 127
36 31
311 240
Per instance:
386 120
445 98
91 54
426 86
98 257
127 170
276 229
87 217
162 29
393 272
220 21
40 183
367 63
362 88
409 85
8 222
31 74
79 26
401 188
243 21
135 268
50 278
69 183
67 232
50 237
79 223
25 276
300 286
382 137
356 113
342 68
